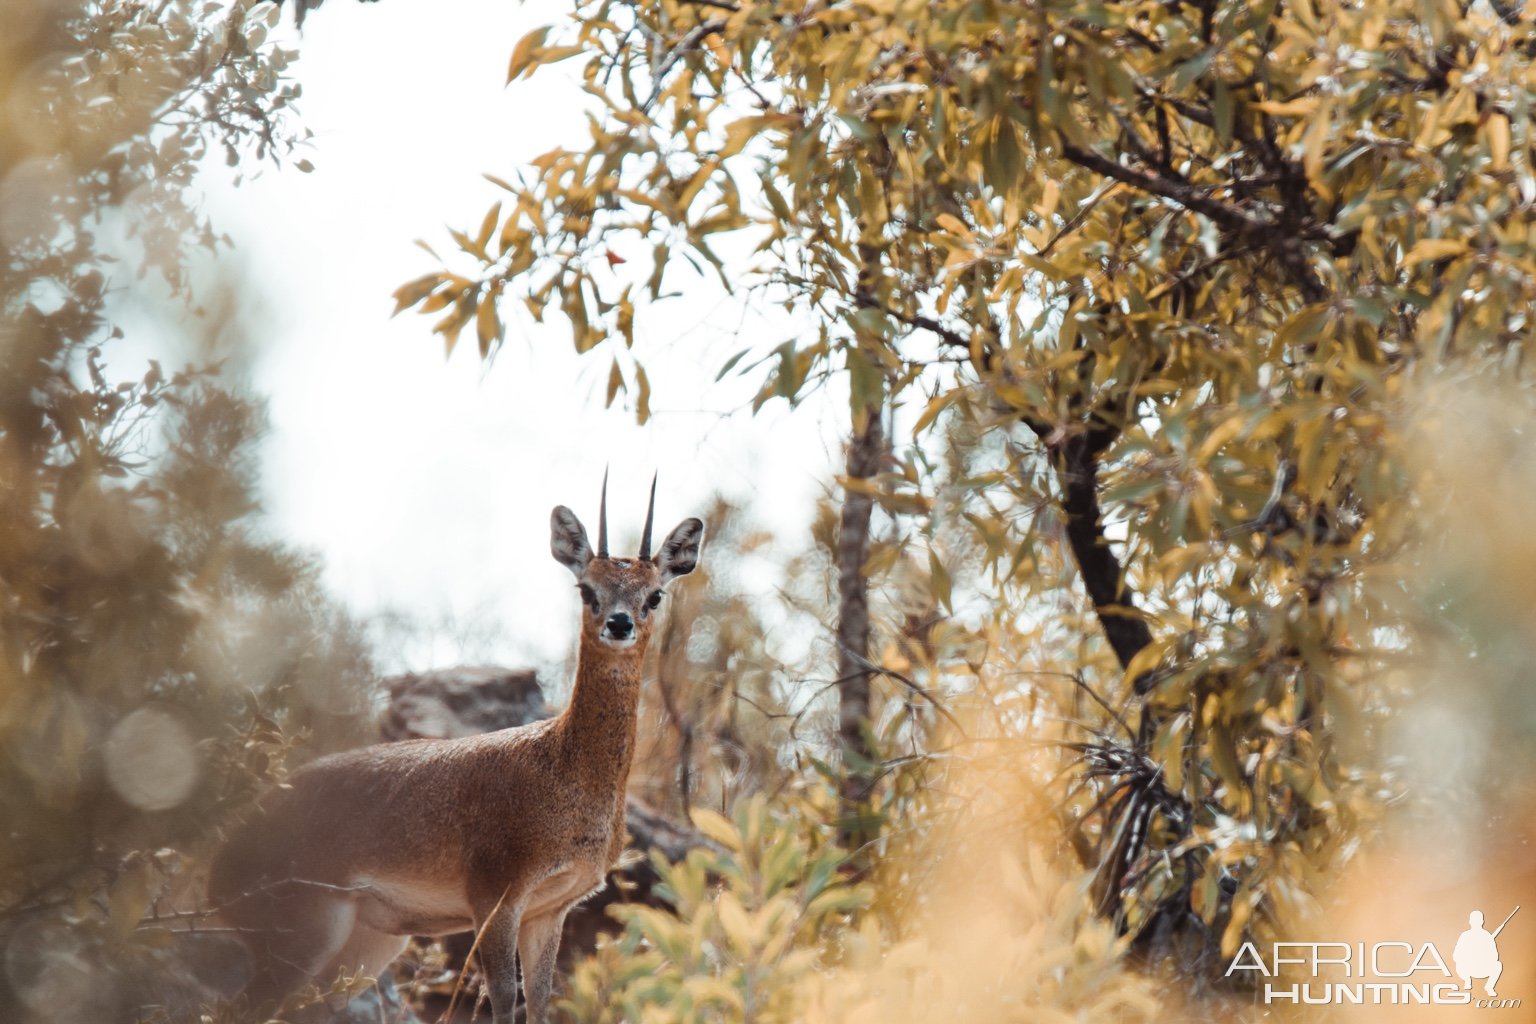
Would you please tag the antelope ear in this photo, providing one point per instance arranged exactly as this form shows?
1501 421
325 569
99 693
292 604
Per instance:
568 540
679 553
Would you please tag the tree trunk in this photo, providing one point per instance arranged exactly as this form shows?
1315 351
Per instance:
865 449
1077 467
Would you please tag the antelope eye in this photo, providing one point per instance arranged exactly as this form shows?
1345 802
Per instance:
653 600
588 596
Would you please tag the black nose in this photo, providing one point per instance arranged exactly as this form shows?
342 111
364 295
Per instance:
619 625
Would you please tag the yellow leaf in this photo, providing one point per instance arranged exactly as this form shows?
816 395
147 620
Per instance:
1290 108
936 405
738 133
1050 195
487 227
412 292
734 920
954 225
487 324
1313 143
130 898
717 827
1233 933
1427 249
525 54
718 49
642 396
615 382
695 183
1222 433
1145 660
625 320
707 990
1497 132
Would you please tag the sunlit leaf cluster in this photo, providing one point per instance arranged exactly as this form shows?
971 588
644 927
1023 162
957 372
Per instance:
751 917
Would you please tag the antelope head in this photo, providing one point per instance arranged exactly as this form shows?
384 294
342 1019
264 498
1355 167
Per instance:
620 595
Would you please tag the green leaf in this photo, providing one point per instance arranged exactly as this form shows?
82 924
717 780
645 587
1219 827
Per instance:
939 582
1193 69
130 897
866 383
730 364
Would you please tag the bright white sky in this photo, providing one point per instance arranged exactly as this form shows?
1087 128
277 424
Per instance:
426 483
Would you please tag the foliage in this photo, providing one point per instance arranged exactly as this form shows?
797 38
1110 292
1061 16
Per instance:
159 655
768 926
1173 272
716 722
754 916
982 920
112 107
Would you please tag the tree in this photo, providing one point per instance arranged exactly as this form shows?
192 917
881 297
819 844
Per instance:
1183 264
158 655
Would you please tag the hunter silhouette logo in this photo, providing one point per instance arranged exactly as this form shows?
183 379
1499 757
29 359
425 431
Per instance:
1477 955
1393 973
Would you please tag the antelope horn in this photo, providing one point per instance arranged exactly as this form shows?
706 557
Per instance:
650 517
602 519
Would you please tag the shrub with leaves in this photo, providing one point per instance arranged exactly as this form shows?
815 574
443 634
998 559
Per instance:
970 916
755 917
1014 942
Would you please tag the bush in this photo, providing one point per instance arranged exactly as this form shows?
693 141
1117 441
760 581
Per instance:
756 916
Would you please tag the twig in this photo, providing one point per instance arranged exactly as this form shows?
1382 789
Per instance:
865 300
684 45
1181 192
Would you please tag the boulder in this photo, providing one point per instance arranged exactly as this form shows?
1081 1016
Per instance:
461 702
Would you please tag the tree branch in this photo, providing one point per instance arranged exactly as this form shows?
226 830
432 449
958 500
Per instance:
689 42
1076 457
864 300
1181 192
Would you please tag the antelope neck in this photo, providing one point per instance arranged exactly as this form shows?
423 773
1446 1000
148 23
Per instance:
599 722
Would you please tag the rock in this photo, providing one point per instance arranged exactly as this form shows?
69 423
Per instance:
461 702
